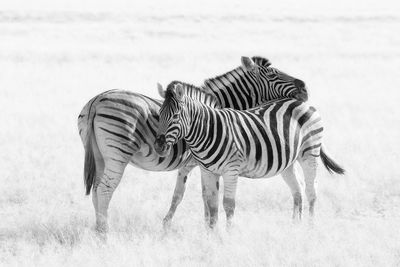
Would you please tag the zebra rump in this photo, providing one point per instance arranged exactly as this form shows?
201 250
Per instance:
89 169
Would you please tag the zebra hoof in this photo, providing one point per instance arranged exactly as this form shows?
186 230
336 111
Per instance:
101 227
166 223
229 226
101 234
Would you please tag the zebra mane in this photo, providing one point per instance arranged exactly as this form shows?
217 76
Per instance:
209 83
261 61
202 94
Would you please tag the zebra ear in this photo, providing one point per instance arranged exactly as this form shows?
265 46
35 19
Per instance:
248 64
179 91
160 90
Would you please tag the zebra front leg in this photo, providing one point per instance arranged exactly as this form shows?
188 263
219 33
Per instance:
210 187
290 176
104 190
178 192
206 210
309 165
230 184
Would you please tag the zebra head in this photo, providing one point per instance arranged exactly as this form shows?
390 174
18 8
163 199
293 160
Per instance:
173 116
275 83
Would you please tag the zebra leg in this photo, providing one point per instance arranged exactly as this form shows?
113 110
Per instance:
309 165
104 189
178 192
99 164
99 174
290 176
206 210
210 186
230 184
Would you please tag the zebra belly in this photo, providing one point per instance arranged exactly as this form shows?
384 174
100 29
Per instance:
258 174
249 169
148 159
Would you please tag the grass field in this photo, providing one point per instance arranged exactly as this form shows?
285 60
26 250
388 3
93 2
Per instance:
55 57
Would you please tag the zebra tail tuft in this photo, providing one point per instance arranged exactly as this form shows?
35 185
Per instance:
330 164
89 170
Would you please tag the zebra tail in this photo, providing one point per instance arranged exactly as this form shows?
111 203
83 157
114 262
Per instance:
89 169
330 164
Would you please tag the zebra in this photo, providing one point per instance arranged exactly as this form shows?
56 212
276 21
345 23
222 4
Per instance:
257 143
247 86
118 127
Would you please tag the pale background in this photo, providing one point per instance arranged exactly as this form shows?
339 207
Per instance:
56 55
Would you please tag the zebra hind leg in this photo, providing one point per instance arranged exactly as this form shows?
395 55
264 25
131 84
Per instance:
309 165
290 176
210 187
99 174
178 192
105 186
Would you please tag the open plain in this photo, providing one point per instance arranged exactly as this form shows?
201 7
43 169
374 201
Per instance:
55 57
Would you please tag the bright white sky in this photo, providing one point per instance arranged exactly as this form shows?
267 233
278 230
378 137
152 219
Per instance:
302 8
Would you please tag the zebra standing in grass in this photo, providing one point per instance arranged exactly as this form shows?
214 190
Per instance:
257 143
250 85
119 127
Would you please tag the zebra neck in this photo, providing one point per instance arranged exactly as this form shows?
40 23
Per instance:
236 89
199 115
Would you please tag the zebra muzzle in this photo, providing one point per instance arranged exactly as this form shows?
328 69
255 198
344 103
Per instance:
302 95
160 146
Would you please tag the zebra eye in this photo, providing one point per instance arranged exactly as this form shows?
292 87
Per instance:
175 116
272 76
